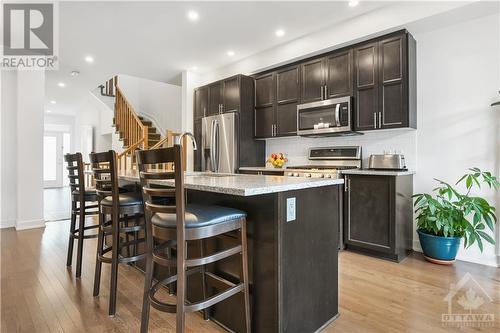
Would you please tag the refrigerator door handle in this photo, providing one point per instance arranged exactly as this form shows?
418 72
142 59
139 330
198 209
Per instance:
212 146
217 147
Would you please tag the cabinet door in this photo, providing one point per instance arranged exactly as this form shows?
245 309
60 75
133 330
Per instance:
200 102
214 98
264 105
370 206
312 80
339 74
393 83
231 95
197 153
287 98
366 85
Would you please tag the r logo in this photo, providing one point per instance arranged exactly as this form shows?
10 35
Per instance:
28 29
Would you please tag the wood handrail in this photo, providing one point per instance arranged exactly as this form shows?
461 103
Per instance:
130 149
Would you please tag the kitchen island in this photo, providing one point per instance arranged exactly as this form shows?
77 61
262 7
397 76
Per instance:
292 241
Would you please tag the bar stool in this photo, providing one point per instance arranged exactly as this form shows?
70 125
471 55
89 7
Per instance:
121 207
171 226
80 196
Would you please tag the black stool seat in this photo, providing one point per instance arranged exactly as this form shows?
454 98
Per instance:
90 194
199 216
126 199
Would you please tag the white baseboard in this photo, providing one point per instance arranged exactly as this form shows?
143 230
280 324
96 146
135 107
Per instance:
30 224
488 260
7 224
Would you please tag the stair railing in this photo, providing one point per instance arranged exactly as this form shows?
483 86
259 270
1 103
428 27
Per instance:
128 123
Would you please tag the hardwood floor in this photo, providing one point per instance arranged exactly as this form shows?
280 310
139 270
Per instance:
38 293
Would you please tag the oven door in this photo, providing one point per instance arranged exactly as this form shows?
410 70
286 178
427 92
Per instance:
327 117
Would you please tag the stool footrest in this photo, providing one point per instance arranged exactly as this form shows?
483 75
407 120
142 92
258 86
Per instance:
215 298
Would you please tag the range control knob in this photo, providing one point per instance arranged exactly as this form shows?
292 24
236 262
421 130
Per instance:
327 175
307 175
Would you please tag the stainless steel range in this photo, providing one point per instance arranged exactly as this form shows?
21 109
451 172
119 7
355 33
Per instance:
327 162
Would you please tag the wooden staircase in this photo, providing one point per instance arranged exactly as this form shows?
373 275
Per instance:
153 136
136 132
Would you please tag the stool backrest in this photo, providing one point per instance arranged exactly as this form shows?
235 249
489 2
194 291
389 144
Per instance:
146 159
75 172
105 175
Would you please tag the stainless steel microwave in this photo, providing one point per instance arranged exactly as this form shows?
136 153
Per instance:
324 118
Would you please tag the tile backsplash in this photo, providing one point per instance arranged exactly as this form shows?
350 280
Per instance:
400 141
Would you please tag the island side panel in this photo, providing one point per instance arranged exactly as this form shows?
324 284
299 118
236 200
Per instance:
262 232
308 259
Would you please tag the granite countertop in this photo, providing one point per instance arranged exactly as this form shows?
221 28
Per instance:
378 172
262 169
241 185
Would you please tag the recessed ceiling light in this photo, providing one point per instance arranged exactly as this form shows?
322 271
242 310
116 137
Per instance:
230 53
48 111
52 102
353 3
280 33
61 84
193 16
75 73
193 68
89 59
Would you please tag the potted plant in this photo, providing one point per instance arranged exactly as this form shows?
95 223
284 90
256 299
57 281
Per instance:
447 216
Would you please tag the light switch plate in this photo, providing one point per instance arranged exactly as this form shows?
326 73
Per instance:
290 209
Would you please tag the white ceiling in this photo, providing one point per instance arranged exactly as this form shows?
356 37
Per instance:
155 40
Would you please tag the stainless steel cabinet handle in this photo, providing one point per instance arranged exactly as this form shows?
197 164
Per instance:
380 120
346 183
272 130
326 91
322 92
374 119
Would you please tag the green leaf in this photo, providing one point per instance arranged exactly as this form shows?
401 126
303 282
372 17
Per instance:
488 221
479 242
486 237
468 181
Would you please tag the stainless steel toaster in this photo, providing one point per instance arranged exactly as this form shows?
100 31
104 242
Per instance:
387 161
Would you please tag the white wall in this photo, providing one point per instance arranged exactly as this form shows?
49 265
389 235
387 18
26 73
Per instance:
458 79
157 101
8 143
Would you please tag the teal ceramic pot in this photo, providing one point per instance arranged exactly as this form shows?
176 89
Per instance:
437 247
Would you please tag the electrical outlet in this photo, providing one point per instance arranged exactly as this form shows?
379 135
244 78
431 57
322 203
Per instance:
290 209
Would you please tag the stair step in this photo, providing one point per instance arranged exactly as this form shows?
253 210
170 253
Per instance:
148 123
154 136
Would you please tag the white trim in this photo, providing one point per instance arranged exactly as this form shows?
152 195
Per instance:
7 224
30 224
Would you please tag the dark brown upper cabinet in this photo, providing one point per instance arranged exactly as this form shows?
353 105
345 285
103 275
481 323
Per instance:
276 99
214 98
339 74
287 98
201 103
380 74
366 78
264 105
223 96
385 83
312 84
231 95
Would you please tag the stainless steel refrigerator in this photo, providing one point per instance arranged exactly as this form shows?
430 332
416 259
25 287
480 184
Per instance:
220 143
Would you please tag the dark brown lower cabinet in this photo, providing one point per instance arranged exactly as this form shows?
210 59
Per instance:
378 217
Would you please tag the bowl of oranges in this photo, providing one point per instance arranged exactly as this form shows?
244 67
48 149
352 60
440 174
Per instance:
277 160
